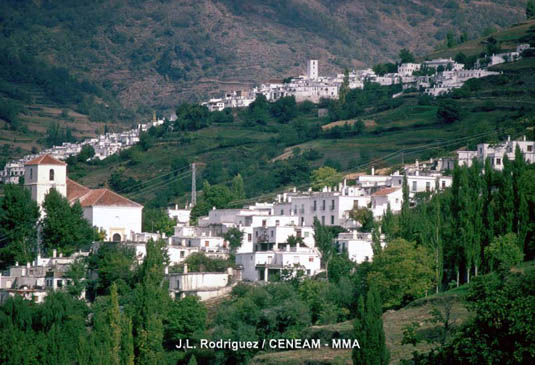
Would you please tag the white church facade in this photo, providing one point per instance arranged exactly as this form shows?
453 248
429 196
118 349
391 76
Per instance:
117 216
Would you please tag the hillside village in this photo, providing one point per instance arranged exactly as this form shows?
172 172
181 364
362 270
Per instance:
445 75
277 237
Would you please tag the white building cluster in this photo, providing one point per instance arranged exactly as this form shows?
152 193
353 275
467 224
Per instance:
33 280
496 153
104 146
448 75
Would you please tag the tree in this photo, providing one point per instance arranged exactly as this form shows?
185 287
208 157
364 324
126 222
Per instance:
64 226
324 242
186 320
405 226
448 112
504 252
237 187
501 330
86 153
402 272
149 305
388 224
364 216
18 226
344 88
325 176
157 220
234 238
406 56
530 9
368 330
521 212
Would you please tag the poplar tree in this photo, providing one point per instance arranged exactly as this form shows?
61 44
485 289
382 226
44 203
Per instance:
388 224
488 205
368 330
506 199
521 213
404 220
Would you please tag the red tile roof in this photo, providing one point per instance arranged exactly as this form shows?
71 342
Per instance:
385 191
45 160
98 197
75 190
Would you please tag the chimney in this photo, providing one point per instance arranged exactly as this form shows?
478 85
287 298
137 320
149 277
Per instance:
54 253
524 138
373 170
185 268
166 270
16 263
508 138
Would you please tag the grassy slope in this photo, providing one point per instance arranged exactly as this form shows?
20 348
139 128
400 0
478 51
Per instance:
393 322
508 38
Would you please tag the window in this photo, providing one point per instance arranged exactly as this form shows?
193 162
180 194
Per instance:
530 148
182 254
332 204
51 175
332 219
31 173
116 237
498 161
298 233
323 205
282 211
414 186
277 222
271 233
249 237
60 283
443 184
314 207
264 223
302 221
206 243
311 259
323 219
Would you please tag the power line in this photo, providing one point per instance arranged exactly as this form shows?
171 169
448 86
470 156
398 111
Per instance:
158 185
141 183
387 157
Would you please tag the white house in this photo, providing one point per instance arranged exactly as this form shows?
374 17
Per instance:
266 265
497 152
382 198
406 69
419 182
358 245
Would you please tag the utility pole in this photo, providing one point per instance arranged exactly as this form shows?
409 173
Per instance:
193 186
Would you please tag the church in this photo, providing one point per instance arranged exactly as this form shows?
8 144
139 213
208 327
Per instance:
117 216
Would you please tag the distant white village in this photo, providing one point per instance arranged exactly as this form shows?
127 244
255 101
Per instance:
104 146
277 236
448 75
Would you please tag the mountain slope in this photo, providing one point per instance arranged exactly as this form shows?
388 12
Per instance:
160 52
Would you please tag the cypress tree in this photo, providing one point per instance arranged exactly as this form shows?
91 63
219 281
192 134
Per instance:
368 330
488 205
388 224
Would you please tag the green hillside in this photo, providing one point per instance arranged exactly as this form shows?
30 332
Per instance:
84 65
274 146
